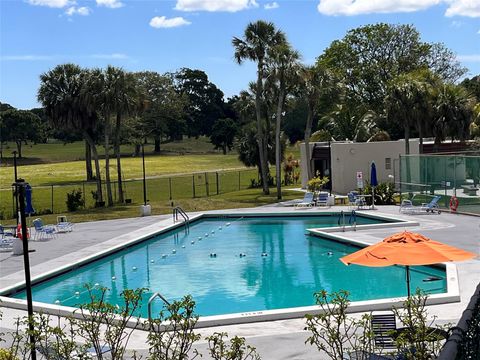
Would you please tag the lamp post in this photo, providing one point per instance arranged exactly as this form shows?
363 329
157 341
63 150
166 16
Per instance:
145 209
144 180
15 177
20 191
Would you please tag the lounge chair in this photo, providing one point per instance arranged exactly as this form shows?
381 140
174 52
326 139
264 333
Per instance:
307 201
383 327
43 231
6 240
63 225
432 207
355 201
322 199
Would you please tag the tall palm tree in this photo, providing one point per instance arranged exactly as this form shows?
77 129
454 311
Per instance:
284 68
258 38
317 81
68 103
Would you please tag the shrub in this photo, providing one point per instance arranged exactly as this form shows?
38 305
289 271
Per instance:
384 193
316 184
74 200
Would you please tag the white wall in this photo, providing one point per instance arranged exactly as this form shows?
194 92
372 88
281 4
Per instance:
348 158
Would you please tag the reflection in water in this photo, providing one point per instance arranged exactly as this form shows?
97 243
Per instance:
295 266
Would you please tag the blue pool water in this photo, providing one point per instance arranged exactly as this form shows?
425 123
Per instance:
292 268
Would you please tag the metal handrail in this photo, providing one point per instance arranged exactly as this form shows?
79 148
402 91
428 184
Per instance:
341 216
155 295
178 210
352 220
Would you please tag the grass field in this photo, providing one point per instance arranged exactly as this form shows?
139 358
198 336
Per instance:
190 177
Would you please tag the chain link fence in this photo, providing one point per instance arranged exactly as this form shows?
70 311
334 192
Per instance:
425 176
52 198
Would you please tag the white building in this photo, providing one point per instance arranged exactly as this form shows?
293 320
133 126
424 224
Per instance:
342 161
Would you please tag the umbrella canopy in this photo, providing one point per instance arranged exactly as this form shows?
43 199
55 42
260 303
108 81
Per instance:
28 200
406 248
373 175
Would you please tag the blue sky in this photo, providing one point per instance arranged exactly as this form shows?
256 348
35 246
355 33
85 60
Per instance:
163 36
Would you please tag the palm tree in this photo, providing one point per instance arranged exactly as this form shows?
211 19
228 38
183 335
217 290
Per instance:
454 112
259 37
284 69
67 100
317 81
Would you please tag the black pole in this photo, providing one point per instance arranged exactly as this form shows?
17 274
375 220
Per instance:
407 269
20 188
144 180
15 176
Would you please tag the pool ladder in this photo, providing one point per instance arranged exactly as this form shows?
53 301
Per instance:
352 220
153 297
179 211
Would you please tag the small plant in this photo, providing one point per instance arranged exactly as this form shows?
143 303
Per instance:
317 183
74 200
384 193
290 175
7 355
419 340
333 332
236 350
105 325
175 341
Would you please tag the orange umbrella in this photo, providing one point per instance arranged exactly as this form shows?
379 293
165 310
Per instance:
406 248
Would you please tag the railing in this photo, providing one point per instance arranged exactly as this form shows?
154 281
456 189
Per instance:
153 297
464 340
179 211
352 220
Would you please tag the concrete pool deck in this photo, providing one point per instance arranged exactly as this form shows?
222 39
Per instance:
281 339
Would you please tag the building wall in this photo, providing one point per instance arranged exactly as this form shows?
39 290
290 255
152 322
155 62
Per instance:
348 158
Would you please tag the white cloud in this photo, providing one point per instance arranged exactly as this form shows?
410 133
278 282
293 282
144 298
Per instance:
270 6
52 3
469 58
162 22
357 7
83 10
25 58
470 8
456 24
114 56
112 4
215 5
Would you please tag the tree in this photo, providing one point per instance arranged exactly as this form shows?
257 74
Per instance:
20 126
223 134
453 113
368 58
68 101
317 83
258 38
205 101
283 68
164 112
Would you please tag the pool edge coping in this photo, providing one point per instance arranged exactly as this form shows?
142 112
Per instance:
452 294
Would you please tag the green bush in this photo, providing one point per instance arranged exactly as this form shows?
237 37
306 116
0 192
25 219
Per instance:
74 200
384 193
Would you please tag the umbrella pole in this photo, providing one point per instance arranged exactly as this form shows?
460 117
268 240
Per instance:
407 270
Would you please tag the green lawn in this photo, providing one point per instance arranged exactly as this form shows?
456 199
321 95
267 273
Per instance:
236 199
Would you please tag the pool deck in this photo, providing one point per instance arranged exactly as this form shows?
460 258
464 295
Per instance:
281 339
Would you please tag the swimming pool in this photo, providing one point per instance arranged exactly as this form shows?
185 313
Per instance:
238 264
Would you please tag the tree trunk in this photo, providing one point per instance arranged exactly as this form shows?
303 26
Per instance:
107 162
308 132
157 144
98 176
137 150
281 97
117 153
260 135
19 148
224 148
88 161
